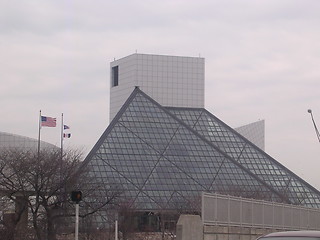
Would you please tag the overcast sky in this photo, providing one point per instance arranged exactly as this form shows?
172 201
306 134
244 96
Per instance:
262 62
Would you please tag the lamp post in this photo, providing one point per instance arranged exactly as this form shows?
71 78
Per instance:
116 226
76 196
116 230
314 124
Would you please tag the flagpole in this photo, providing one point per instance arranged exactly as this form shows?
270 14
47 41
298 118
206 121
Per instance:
62 191
61 139
39 133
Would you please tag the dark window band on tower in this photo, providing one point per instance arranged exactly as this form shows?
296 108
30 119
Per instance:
115 76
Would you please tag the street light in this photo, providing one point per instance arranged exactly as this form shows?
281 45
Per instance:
76 196
315 125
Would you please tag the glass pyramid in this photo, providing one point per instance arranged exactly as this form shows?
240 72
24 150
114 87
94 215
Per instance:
163 158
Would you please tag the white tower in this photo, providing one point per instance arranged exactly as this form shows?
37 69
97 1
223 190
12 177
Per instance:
170 80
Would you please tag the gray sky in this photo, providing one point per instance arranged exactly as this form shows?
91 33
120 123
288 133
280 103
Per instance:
262 62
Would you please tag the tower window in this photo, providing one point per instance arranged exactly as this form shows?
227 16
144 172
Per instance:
115 76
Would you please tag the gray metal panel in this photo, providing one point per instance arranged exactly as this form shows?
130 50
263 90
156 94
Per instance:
234 213
222 210
304 219
287 216
278 215
257 213
296 218
268 214
247 212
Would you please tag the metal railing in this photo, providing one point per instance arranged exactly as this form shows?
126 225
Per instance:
235 211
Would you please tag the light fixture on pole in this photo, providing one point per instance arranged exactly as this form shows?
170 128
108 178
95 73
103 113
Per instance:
76 196
314 124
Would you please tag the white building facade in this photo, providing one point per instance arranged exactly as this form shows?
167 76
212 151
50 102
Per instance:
254 132
170 80
14 141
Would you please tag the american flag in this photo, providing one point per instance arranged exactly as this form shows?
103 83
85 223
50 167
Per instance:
48 122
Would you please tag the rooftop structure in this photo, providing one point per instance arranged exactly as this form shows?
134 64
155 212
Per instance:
170 80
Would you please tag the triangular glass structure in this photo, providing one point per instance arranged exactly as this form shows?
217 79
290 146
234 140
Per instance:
163 158
294 189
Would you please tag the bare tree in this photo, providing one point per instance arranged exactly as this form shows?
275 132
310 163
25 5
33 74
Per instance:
10 217
38 182
42 182
126 213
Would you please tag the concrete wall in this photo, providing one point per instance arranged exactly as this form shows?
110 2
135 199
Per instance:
234 233
189 227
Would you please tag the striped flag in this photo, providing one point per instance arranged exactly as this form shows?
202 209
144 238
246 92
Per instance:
67 135
48 122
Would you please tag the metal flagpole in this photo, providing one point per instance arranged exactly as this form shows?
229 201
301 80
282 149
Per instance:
63 189
39 133
61 136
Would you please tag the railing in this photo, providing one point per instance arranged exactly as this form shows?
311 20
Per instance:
235 211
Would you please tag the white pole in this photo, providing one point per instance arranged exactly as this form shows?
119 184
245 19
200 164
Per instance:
116 230
76 234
